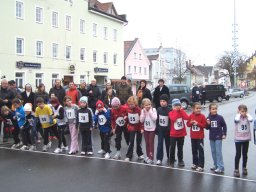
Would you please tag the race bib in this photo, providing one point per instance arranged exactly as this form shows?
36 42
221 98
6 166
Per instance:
148 123
197 92
163 120
44 118
120 121
70 114
133 118
243 128
102 120
214 124
178 124
195 128
83 117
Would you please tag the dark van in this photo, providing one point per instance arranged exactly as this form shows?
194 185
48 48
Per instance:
215 92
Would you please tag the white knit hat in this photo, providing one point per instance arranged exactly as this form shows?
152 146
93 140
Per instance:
28 107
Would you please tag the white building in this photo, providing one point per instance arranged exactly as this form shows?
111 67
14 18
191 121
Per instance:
72 40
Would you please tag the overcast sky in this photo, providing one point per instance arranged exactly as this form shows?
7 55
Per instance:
201 28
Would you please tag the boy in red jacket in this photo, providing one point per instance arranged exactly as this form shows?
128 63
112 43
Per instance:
177 131
197 123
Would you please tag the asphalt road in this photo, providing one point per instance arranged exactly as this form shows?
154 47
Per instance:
37 171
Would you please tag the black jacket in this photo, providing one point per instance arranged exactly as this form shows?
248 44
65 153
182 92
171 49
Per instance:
6 94
94 96
30 99
80 118
59 93
158 93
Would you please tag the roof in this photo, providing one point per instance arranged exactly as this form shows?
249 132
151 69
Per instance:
206 70
152 57
128 45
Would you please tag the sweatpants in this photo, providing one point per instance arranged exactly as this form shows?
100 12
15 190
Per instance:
105 137
179 142
61 132
26 136
138 135
74 137
86 135
149 140
241 148
52 129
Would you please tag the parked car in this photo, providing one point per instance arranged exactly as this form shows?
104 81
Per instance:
216 92
236 92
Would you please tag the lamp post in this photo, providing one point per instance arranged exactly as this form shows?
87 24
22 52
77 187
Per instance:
235 45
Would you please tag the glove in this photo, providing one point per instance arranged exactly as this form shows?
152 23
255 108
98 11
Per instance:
105 110
96 112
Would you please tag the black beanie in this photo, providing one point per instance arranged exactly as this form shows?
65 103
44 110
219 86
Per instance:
164 97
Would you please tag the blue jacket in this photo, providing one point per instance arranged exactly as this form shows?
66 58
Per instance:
217 128
20 116
103 119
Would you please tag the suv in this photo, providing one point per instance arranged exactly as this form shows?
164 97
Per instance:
182 92
215 92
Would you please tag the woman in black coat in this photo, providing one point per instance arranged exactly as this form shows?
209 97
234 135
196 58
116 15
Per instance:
28 96
160 90
143 92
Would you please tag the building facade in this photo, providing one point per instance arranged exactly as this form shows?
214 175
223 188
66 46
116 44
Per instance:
62 39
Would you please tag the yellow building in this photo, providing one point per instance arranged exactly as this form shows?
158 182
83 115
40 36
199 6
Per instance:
72 40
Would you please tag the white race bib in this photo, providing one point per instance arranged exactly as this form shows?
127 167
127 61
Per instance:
83 117
243 128
214 124
148 123
102 120
70 114
44 118
195 128
197 92
178 124
163 120
120 121
133 118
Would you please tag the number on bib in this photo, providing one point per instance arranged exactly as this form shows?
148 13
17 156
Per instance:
133 118
120 121
178 124
83 117
243 128
102 120
163 120
195 128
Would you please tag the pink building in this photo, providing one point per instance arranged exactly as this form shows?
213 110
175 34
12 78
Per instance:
136 64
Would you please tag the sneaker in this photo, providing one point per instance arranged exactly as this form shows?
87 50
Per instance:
64 148
193 167
141 157
149 161
49 145
200 169
101 151
181 164
146 159
159 162
89 153
245 172
44 148
107 156
218 171
24 147
32 148
58 150
14 146
72 152
117 155
127 159
213 168
19 144
82 153
236 173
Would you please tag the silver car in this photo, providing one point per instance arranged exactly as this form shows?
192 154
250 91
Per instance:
236 93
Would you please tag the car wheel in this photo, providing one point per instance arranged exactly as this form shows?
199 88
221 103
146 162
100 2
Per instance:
184 104
241 96
219 99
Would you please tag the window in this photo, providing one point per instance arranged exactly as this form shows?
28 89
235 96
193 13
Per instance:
105 33
114 34
68 52
68 22
19 10
95 56
20 46
139 56
82 26
39 79
134 69
82 78
39 15
39 48
139 70
105 58
20 79
55 76
55 19
94 30
134 55
145 71
54 50
82 54
115 59
129 69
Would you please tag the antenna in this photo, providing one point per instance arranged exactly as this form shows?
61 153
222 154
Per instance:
235 45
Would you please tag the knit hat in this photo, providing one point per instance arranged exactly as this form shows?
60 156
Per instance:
164 97
28 107
176 102
115 102
99 104
84 99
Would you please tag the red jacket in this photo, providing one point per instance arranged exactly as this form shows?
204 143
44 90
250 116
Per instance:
74 94
197 131
178 127
117 117
133 119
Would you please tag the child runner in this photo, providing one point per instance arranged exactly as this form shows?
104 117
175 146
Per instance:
218 131
135 128
71 113
118 113
59 115
242 138
163 128
85 125
148 117
44 114
102 117
197 123
177 132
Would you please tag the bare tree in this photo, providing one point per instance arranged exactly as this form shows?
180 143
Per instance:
180 69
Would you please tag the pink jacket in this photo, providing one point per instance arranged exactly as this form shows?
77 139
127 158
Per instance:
149 119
